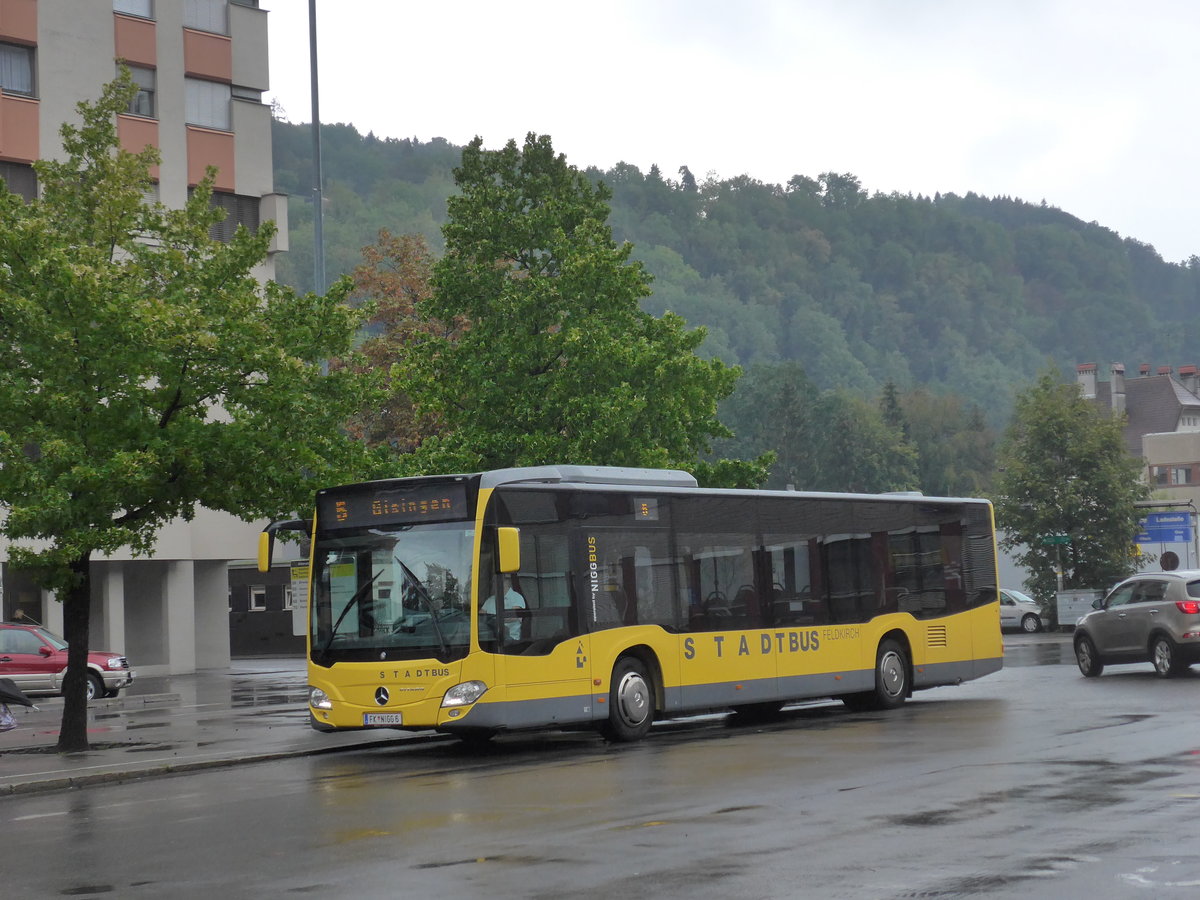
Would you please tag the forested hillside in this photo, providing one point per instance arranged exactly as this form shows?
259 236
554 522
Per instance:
967 296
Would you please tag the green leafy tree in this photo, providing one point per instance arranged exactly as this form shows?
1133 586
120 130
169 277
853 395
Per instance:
558 362
855 450
771 411
890 410
394 278
820 441
956 449
147 371
1064 472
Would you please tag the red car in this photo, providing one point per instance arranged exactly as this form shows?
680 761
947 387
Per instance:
36 660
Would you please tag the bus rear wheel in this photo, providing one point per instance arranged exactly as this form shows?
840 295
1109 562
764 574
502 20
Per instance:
630 701
891 680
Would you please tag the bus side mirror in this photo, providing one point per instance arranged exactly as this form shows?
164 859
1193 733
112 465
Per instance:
508 549
266 540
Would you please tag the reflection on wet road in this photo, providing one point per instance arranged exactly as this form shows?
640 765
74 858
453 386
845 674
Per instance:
1053 649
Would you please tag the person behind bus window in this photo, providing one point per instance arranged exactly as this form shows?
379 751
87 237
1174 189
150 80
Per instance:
513 599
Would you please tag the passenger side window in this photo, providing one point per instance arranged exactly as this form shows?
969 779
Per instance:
1121 596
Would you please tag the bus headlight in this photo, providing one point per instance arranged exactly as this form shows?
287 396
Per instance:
464 694
318 699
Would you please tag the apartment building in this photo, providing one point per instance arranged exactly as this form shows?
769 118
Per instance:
1161 406
201 68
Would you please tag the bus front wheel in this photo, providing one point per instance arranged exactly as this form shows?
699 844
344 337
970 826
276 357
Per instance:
891 680
630 701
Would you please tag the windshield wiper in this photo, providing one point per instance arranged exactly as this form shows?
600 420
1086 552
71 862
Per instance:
419 589
358 595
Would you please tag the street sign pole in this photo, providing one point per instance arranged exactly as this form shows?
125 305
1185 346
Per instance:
1058 540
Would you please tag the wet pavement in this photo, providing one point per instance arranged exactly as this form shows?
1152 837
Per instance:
251 712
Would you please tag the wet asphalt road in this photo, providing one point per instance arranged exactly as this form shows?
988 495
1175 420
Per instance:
1030 783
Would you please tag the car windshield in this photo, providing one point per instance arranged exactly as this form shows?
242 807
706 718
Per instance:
399 593
51 638
1019 597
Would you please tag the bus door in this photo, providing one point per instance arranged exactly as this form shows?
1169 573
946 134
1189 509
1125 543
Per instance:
627 581
528 621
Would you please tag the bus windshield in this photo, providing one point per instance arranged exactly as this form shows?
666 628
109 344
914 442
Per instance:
391 593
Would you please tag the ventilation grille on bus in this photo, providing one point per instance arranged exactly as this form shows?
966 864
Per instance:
935 636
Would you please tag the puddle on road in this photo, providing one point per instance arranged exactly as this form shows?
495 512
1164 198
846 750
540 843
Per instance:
275 697
1046 653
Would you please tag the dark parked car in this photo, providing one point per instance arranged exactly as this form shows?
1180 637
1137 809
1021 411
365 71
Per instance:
36 660
1153 617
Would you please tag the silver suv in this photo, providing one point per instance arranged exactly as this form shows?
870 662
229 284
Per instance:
1153 617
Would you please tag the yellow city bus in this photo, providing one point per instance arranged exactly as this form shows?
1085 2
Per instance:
606 598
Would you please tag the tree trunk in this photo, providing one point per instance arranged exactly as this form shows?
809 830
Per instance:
72 735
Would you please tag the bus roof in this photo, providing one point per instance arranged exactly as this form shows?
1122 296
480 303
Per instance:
622 476
589 475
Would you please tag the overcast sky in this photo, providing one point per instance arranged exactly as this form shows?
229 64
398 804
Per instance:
1090 105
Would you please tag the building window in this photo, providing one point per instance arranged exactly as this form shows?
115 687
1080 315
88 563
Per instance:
16 69
205 15
1181 475
142 103
258 597
207 104
239 210
245 93
142 8
19 178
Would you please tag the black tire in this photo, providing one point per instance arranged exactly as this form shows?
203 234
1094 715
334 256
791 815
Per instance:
1163 656
95 687
1031 624
630 701
1087 657
892 680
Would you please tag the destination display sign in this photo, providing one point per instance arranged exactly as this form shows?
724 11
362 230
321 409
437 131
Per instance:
387 504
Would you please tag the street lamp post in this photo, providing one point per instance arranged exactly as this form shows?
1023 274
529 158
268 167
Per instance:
318 231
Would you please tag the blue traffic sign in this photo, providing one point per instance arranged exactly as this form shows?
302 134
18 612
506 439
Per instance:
1165 528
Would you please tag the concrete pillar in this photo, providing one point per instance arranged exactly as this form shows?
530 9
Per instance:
212 615
112 598
52 612
179 622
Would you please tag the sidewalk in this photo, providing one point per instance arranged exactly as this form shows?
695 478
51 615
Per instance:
253 711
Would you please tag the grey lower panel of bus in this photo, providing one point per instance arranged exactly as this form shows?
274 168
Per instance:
937 674
521 714
564 711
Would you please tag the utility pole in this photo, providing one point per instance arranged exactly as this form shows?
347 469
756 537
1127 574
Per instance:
318 231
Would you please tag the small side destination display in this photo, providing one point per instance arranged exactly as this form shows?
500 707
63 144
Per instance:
395 506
